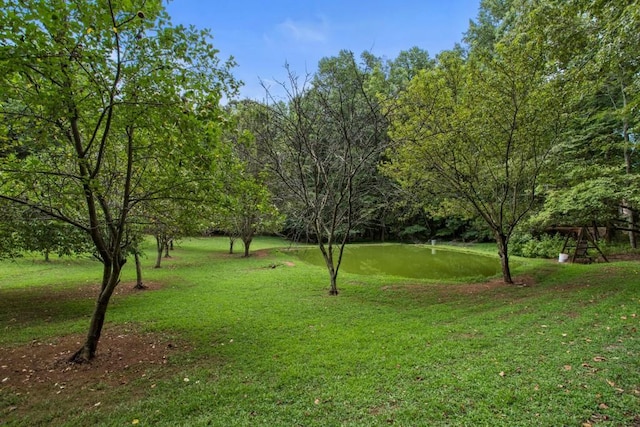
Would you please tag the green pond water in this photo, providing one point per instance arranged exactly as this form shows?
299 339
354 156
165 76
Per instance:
414 261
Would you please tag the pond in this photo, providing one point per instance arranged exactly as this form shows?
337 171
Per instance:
413 261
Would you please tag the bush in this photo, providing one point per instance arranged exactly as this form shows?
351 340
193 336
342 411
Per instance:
544 246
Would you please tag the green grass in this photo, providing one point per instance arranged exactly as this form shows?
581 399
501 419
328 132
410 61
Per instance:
268 346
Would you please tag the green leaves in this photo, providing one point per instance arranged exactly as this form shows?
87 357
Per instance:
477 132
109 111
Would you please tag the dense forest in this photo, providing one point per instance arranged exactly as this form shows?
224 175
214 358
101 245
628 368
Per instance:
113 128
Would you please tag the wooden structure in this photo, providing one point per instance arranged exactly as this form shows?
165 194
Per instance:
584 240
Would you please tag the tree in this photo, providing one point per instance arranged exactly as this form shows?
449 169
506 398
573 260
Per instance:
167 220
9 239
594 44
39 233
97 96
249 211
476 133
248 207
495 19
405 67
324 146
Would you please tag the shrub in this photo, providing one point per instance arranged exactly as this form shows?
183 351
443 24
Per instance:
544 246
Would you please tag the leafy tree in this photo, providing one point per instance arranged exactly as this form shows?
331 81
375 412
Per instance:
477 133
593 45
248 212
406 66
167 220
40 233
9 238
96 96
248 207
495 19
326 143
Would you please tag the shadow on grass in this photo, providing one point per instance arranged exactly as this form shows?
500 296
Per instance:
20 307
548 282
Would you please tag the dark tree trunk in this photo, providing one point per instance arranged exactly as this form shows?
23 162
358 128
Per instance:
110 279
503 251
159 248
166 250
139 283
231 242
327 254
247 245
596 232
608 236
334 283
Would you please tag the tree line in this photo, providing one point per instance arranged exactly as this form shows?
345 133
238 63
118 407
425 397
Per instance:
113 128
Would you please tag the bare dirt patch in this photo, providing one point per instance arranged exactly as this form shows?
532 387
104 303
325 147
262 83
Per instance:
495 288
624 257
260 253
40 371
464 288
37 377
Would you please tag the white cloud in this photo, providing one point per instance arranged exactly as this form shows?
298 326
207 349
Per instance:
304 31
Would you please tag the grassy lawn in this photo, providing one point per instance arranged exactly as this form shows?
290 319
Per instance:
259 342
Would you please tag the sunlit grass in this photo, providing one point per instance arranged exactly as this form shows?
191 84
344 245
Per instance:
269 346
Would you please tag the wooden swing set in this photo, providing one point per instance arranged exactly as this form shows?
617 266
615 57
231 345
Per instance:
578 248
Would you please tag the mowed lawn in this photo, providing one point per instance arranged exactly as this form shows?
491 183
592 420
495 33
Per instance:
258 341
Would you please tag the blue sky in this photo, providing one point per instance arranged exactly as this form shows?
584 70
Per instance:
262 35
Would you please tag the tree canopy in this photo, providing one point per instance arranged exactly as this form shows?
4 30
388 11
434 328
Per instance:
97 97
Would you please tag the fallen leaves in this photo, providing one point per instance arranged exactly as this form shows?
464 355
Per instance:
613 384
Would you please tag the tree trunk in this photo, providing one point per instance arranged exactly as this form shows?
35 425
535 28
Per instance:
327 254
627 210
110 279
503 251
631 224
231 242
247 244
334 283
139 284
166 250
159 248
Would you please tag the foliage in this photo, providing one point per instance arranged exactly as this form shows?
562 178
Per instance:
247 208
592 45
102 103
543 246
47 236
475 133
9 240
